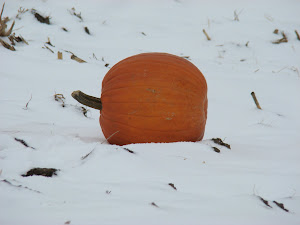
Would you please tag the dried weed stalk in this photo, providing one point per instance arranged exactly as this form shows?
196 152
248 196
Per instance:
60 98
281 40
6 45
207 37
78 15
3 25
21 11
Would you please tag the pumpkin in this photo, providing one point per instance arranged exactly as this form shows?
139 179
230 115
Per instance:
151 97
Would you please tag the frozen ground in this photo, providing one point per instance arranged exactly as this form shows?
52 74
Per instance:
113 186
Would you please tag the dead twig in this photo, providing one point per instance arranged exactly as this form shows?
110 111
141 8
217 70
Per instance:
128 150
6 45
86 29
216 149
60 98
220 142
281 40
265 202
23 143
64 29
46 47
26 106
207 37
255 100
281 205
78 15
173 186
77 59
49 42
297 34
153 203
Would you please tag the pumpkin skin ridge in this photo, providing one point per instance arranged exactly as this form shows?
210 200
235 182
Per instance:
146 129
179 90
137 60
185 76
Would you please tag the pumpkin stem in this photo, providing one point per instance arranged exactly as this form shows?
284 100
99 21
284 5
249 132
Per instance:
87 100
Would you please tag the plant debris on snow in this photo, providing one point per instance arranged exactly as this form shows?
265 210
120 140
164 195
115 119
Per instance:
40 18
46 172
19 186
220 142
23 143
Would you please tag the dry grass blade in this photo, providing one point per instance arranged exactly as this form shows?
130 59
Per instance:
128 150
6 45
74 57
276 31
216 149
3 25
236 15
207 37
14 38
49 42
26 106
281 40
46 47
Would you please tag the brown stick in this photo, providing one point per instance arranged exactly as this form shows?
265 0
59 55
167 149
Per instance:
208 38
297 34
87 100
74 57
255 100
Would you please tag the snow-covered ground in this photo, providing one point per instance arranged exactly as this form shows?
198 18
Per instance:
113 186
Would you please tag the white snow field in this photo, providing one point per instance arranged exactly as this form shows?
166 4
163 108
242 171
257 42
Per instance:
112 186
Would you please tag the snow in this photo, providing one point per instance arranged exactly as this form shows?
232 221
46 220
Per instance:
113 186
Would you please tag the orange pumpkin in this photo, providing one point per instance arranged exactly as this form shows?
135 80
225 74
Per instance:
151 97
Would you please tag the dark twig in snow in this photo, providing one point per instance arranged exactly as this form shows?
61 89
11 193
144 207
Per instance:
220 142
128 150
86 29
46 47
153 203
297 34
23 143
26 106
265 201
216 149
173 186
281 205
282 40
